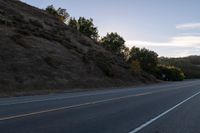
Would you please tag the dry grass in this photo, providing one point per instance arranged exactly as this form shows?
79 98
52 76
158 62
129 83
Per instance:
41 53
18 39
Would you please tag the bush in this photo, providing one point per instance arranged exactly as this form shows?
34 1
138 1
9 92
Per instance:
18 39
60 13
135 67
2 12
52 61
3 21
190 65
106 67
24 32
102 60
169 73
36 23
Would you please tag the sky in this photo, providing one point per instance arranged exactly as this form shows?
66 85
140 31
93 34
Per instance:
169 27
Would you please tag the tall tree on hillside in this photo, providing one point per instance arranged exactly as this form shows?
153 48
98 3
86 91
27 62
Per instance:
73 23
85 26
63 14
113 42
60 13
148 59
51 10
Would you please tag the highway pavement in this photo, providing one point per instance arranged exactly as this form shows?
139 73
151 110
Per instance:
171 107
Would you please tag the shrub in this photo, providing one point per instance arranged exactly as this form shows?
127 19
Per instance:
2 12
135 67
24 32
19 40
190 65
52 61
48 23
19 18
36 23
85 42
106 67
169 73
103 61
3 21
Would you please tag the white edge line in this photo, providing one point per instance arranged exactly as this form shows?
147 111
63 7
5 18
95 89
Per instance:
161 115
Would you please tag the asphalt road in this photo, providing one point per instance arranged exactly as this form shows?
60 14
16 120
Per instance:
162 108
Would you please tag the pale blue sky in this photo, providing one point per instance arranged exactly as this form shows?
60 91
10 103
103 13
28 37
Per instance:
170 27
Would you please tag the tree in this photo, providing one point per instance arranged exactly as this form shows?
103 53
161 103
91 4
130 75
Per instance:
73 23
63 14
60 13
85 26
126 53
148 59
113 42
51 10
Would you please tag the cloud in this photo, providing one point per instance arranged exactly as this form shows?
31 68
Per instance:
174 42
179 46
131 43
179 41
188 26
186 40
190 34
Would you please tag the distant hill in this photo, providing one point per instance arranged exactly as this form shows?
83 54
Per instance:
39 52
190 65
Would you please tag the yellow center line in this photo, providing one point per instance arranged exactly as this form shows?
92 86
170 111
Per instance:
84 104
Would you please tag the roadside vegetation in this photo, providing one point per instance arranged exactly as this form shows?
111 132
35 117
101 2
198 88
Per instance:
169 73
85 26
140 60
59 13
190 65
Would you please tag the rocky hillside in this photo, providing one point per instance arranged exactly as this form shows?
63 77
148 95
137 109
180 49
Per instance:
38 52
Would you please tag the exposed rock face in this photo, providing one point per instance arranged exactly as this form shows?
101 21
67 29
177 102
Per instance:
39 52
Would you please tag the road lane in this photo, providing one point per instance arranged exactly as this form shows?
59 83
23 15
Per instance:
140 128
117 115
25 108
185 119
52 97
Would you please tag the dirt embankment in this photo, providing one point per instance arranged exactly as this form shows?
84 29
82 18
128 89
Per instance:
38 52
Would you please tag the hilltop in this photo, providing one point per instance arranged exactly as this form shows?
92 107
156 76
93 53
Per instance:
38 52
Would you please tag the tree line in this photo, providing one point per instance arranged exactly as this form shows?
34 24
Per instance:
139 59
